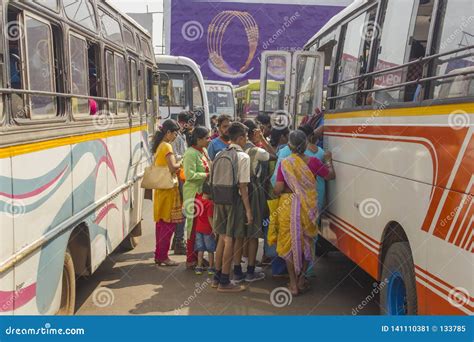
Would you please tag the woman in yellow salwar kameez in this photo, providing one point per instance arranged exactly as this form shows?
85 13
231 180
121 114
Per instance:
297 211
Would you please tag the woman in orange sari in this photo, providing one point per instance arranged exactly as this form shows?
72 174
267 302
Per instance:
298 209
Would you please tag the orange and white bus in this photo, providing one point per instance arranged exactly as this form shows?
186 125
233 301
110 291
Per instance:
399 121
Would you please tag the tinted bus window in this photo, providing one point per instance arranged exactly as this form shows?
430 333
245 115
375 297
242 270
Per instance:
40 66
134 84
79 74
110 27
146 48
456 30
81 12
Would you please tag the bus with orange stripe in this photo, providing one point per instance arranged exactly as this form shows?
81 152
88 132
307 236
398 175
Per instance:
78 103
399 121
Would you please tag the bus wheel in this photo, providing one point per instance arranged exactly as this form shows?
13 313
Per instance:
323 247
131 241
398 295
68 292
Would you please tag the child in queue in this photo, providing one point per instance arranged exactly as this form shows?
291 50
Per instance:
205 238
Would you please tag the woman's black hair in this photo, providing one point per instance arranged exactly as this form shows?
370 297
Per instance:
199 132
168 126
276 134
298 142
252 126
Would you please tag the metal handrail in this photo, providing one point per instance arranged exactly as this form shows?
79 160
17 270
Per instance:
416 61
48 93
400 85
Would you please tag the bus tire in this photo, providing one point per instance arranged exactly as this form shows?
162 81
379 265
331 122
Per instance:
131 241
68 289
398 294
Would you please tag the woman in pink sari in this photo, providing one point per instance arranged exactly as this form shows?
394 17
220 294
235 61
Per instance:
298 210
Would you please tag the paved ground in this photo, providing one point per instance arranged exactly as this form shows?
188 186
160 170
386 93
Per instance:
131 284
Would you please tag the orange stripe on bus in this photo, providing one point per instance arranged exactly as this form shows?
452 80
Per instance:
356 251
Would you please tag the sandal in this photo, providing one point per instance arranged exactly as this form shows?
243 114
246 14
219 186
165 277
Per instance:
306 284
167 263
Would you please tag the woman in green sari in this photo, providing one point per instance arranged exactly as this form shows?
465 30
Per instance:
196 164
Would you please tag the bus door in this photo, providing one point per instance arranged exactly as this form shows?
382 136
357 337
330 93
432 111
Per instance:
291 84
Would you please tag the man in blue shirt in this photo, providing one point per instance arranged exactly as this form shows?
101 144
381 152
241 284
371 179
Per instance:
222 141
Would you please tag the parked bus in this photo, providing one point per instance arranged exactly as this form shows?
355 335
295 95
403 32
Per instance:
221 98
181 88
248 97
399 120
78 104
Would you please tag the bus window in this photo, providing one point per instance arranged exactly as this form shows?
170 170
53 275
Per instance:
41 77
111 93
276 72
456 31
172 91
392 48
305 84
134 85
149 91
141 89
51 4
94 64
349 66
110 27
79 79
128 37
81 12
400 43
255 100
121 83
146 48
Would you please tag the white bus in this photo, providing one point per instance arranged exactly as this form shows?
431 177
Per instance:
399 121
77 91
181 89
221 98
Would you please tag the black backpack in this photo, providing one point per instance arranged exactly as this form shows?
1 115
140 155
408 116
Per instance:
224 177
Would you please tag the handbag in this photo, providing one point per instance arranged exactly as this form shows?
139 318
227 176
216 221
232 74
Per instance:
159 177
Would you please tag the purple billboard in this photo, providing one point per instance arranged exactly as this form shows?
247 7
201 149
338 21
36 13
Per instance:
227 38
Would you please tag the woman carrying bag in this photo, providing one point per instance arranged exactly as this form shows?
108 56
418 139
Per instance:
196 169
167 204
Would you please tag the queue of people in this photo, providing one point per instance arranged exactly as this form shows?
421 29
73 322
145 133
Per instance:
250 182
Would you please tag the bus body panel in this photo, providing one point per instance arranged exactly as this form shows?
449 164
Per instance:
7 286
431 200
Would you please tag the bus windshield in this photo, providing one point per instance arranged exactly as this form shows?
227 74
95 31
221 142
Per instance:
221 99
172 90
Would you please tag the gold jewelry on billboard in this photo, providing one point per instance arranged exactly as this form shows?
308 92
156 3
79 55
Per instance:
215 36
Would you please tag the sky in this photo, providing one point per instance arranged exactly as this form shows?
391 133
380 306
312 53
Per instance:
141 6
